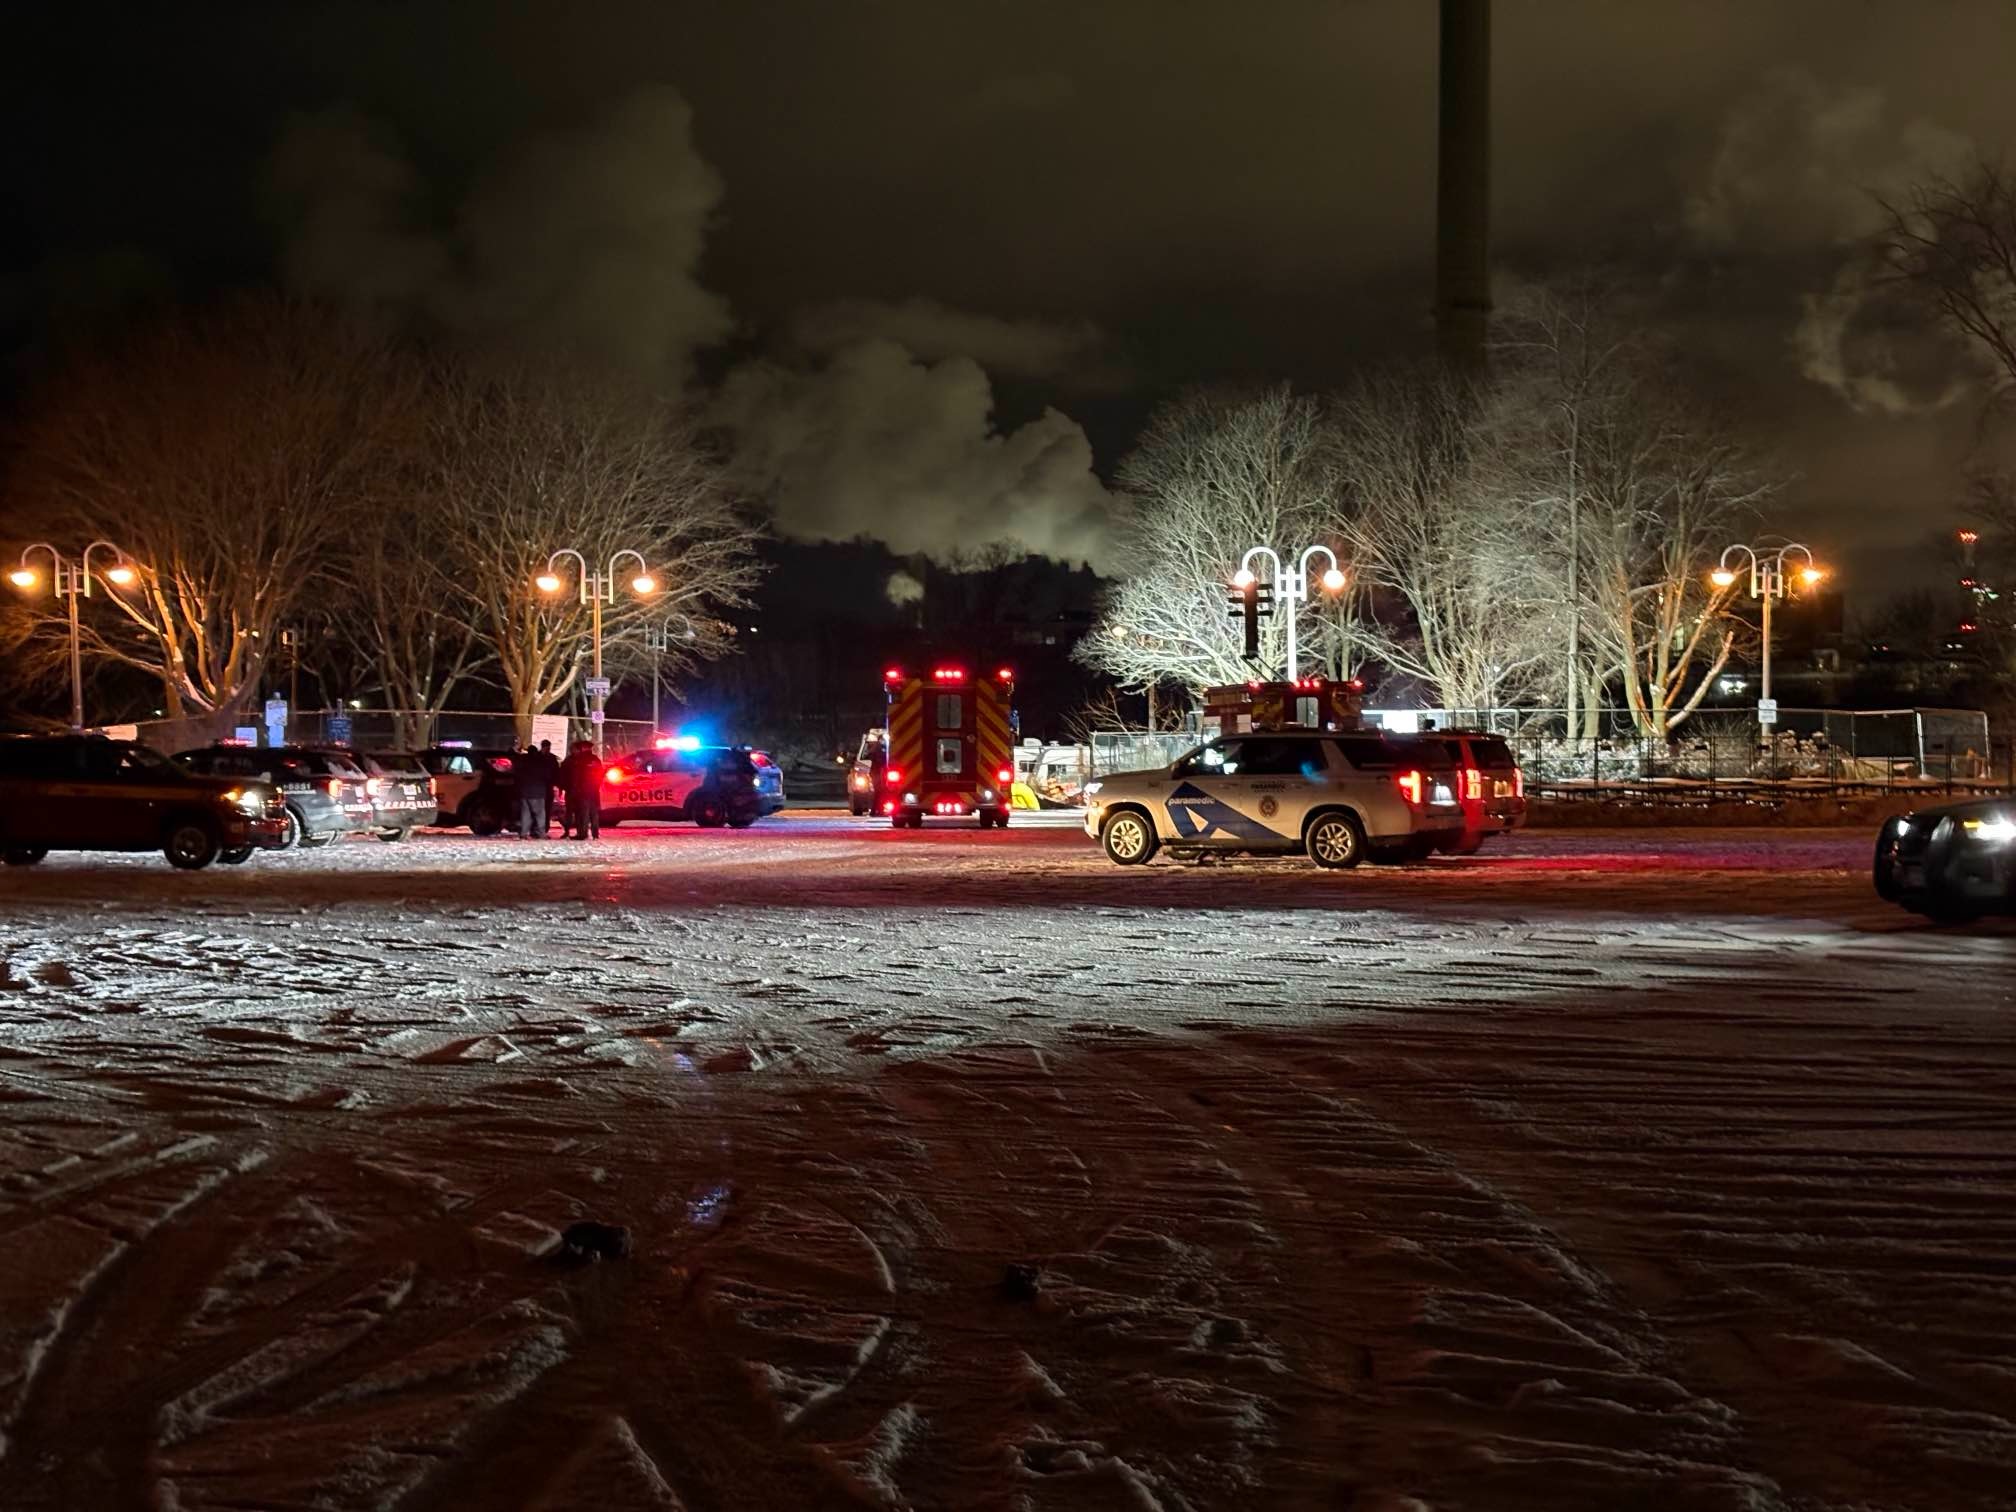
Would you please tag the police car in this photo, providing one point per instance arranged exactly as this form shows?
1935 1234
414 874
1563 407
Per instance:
682 779
1337 797
1953 863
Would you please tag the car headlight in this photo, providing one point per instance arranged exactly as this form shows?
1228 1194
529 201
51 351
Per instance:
1997 831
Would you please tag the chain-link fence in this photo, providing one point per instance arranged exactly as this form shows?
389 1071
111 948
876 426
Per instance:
385 730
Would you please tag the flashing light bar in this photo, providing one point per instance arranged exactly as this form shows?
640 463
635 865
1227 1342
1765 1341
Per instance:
676 743
1005 674
892 674
948 674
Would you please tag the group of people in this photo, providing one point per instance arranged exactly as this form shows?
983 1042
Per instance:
540 773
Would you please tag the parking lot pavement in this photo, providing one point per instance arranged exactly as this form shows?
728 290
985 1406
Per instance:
966 1169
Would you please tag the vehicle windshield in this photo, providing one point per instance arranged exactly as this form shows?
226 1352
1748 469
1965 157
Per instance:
140 761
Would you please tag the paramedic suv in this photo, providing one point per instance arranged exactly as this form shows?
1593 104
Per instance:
1336 797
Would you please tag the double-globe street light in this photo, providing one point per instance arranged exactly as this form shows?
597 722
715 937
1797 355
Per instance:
596 589
1767 584
1291 587
659 640
71 581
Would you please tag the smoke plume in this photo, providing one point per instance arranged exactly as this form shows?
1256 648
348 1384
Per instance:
879 444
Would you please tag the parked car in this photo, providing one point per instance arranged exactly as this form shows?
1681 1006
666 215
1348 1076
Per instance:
472 788
864 778
401 790
1334 797
1953 863
1490 785
710 785
83 792
325 789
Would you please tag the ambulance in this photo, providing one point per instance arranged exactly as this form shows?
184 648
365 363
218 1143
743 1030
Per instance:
948 747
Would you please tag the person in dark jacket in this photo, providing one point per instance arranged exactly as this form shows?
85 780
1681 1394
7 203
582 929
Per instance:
534 780
581 776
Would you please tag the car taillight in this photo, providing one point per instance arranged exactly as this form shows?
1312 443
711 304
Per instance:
1518 782
892 775
373 786
1005 776
1412 786
433 788
501 764
614 774
1473 783
333 787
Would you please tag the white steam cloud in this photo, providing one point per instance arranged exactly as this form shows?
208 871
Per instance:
902 589
1802 171
585 240
588 241
882 445
933 332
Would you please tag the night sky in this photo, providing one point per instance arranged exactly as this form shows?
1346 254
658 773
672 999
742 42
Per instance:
853 230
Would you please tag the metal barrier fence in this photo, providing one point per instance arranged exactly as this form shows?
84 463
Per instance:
388 730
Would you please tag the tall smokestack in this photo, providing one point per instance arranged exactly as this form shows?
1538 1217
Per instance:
1463 185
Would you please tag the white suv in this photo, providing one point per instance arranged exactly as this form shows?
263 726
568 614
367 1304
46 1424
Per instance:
1336 798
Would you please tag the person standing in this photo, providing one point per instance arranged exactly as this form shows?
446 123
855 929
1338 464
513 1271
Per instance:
535 786
581 777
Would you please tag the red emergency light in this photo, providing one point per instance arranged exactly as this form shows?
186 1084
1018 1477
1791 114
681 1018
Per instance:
948 674
1005 674
892 775
614 774
889 807
1357 685
892 674
1005 775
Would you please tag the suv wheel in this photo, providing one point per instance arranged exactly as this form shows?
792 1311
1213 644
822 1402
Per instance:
393 836
1128 838
23 855
290 835
485 818
1335 840
237 855
190 843
706 811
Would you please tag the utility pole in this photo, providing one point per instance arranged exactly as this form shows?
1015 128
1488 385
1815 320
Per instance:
1463 185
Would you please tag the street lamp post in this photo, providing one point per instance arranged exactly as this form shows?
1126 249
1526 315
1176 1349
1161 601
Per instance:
658 640
1767 583
1291 587
71 581
596 589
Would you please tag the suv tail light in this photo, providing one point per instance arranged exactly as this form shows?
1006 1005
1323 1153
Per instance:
373 786
1518 782
1413 787
1473 784
333 787
433 787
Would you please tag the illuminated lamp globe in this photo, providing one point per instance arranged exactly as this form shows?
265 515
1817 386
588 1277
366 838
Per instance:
1333 580
546 582
1810 575
1243 578
644 583
1722 577
121 576
22 577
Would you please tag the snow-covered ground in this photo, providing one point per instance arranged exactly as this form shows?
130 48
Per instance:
1661 1170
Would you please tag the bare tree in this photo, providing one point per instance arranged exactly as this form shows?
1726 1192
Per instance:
1215 474
532 461
1443 536
1663 497
1954 243
227 452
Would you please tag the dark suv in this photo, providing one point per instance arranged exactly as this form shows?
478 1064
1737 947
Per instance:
1492 787
401 791
473 788
325 790
81 792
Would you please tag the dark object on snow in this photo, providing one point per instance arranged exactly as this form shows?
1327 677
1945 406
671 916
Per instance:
1021 1283
586 1240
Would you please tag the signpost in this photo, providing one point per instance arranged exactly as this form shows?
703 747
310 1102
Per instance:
276 721
598 687
338 729
1767 711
